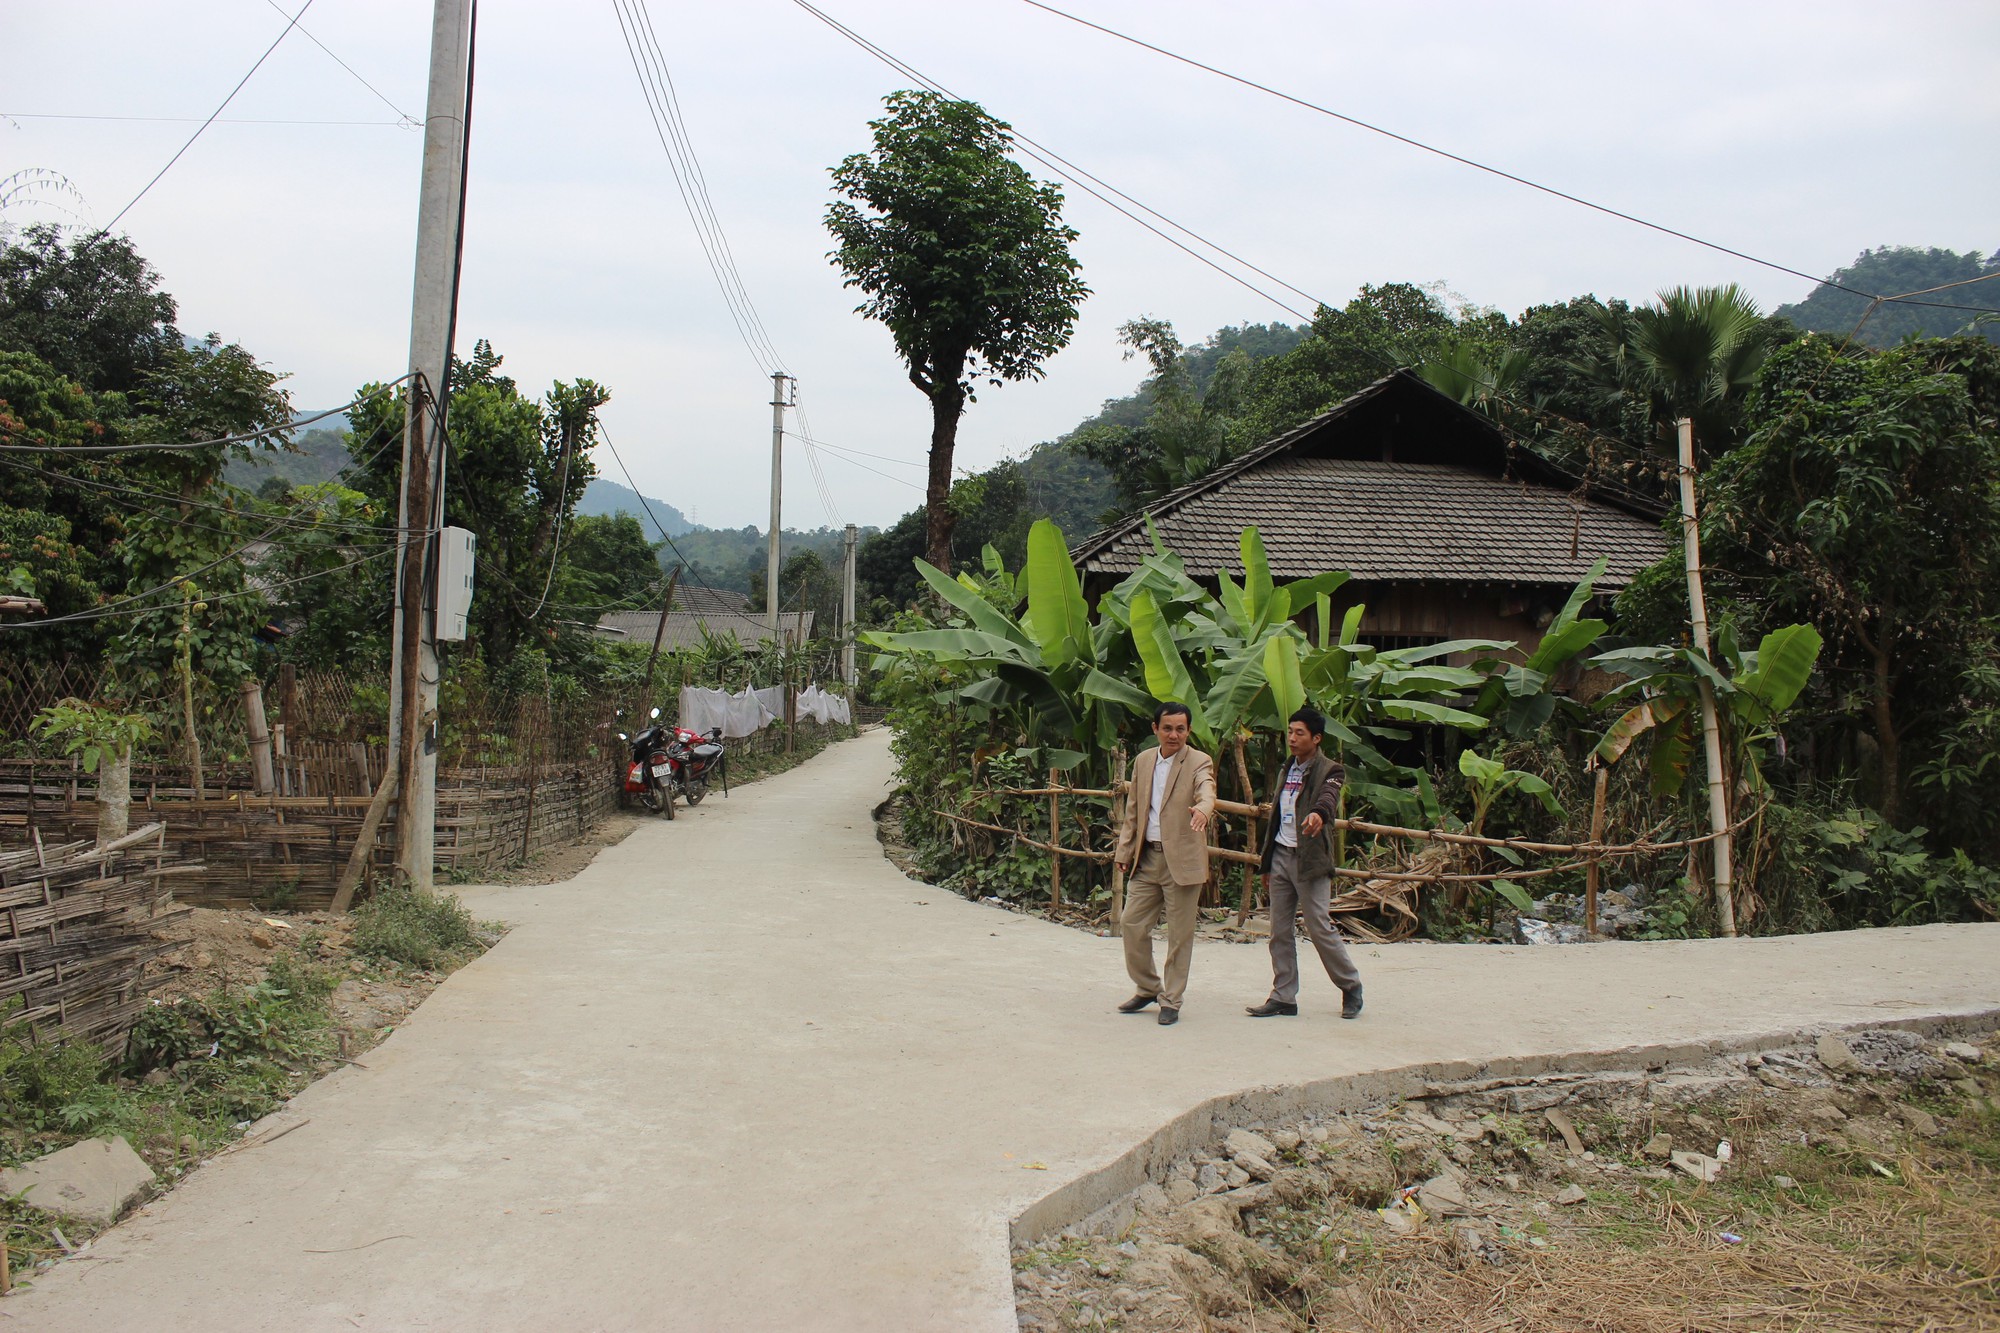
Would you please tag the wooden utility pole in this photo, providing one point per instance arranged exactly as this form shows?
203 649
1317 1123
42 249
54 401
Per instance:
1711 732
847 607
414 665
778 404
659 637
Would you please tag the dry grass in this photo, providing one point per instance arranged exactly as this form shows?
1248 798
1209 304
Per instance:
1918 1252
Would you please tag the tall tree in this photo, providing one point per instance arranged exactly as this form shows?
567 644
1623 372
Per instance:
93 310
963 257
1695 354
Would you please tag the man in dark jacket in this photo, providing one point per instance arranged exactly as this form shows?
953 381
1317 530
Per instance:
1298 871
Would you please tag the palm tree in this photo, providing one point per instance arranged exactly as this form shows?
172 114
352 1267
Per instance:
1695 354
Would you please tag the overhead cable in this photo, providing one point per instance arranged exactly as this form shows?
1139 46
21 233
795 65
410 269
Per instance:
405 117
1481 166
293 23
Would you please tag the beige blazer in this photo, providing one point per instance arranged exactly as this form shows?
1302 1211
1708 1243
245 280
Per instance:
1191 786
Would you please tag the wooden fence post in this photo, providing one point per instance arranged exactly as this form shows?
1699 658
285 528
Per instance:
1249 899
263 777
1596 837
1119 796
1055 841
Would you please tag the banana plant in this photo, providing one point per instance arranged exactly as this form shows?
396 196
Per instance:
1519 697
1750 699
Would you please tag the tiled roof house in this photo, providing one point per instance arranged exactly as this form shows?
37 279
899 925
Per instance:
1450 529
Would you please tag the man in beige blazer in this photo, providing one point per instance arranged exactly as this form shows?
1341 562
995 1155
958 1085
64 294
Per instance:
1162 850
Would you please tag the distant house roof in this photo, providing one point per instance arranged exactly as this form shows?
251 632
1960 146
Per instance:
1397 483
684 628
707 601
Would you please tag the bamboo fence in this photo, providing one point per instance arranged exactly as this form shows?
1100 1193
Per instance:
78 924
1378 903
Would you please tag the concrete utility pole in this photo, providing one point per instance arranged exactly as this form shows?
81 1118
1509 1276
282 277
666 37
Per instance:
778 404
414 669
847 607
1711 735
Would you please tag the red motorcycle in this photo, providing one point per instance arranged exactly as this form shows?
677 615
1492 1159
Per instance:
669 762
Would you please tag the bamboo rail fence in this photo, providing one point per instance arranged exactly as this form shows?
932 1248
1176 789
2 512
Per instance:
1374 890
78 924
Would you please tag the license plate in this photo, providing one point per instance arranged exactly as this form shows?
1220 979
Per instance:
663 770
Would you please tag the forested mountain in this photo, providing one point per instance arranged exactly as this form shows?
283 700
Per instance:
1893 270
318 454
605 498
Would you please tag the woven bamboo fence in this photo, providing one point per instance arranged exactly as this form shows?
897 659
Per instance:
77 927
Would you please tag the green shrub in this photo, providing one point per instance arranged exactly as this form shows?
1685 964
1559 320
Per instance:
402 924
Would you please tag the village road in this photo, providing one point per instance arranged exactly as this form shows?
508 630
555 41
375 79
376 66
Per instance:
742 1074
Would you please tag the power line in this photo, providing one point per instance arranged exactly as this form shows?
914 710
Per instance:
855 462
665 126
406 117
195 120
700 178
658 526
171 447
1477 165
1077 177
293 23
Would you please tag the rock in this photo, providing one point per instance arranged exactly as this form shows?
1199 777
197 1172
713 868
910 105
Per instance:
1208 1177
1969 1087
1529 930
263 939
1837 1056
1443 1196
93 1180
1571 1195
1963 1052
1784 1182
202 958
1257 1167
1827 1112
1398 1221
1286 1140
1560 1122
1918 1122
1182 1192
1235 1178
1319 1134
1430 1122
1360 1173
155 1077
1150 1199
1248 1141
1699 1165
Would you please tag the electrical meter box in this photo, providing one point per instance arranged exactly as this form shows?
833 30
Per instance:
456 547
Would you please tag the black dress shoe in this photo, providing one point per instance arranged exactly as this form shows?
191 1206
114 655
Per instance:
1273 1009
1136 1003
1350 1003
1169 1017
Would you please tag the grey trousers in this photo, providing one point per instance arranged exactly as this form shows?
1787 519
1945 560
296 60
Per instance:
1288 894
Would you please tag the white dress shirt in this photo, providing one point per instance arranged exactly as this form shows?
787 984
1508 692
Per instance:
1163 768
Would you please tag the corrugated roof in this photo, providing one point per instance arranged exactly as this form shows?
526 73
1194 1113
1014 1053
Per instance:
684 627
1468 506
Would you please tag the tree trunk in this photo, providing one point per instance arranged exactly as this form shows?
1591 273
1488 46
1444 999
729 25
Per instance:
1886 739
114 796
947 405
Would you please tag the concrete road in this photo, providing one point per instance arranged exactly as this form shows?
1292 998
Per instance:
742 1074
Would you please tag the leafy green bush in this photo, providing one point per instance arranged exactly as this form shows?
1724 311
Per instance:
402 924
1850 867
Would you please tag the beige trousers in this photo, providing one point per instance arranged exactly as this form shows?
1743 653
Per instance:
1151 889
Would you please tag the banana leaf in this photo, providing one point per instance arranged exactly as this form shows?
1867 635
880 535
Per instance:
976 608
1057 614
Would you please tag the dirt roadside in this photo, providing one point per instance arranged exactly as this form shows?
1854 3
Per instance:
1851 1185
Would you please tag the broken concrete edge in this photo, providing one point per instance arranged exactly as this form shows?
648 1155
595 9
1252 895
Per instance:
1098 1200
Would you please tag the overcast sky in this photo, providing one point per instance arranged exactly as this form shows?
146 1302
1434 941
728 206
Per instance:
1799 133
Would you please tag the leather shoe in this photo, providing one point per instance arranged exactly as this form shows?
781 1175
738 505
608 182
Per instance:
1350 1003
1169 1017
1273 1009
1136 1003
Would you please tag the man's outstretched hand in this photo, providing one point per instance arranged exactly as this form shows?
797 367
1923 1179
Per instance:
1313 824
1198 819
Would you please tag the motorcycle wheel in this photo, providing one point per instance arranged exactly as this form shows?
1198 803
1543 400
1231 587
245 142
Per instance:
657 800
696 790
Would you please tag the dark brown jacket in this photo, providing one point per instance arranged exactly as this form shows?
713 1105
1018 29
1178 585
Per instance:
1320 795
